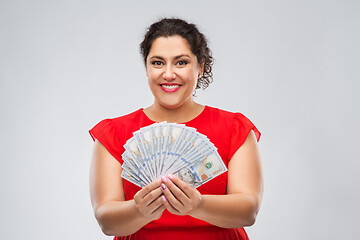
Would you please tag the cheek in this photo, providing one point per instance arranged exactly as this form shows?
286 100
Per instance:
150 76
153 74
151 81
188 74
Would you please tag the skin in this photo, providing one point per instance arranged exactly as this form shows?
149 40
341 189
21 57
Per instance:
171 61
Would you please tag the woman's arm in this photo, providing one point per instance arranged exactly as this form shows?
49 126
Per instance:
244 192
115 215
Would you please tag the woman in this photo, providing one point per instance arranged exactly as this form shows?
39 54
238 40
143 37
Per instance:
177 62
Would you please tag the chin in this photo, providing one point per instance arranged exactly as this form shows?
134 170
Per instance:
173 102
171 106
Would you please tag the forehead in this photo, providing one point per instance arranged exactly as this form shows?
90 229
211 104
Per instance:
170 46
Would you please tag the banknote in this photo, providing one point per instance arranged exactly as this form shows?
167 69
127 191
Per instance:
170 148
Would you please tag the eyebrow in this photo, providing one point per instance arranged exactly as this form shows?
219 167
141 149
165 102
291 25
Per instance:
177 57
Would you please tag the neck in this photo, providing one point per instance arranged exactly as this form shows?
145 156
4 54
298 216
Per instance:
184 113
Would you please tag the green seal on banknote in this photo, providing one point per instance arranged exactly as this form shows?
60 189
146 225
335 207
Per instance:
208 165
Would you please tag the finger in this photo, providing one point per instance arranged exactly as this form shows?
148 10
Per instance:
158 212
186 188
152 207
148 188
168 206
171 198
177 190
152 196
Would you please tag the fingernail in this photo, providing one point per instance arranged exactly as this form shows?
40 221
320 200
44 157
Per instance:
163 186
170 176
163 198
163 179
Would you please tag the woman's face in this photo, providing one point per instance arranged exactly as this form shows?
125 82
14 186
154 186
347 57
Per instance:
172 71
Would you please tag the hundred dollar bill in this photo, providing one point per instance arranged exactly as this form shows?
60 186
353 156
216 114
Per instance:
134 153
202 171
135 171
169 148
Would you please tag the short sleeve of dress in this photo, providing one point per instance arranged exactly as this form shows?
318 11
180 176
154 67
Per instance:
107 135
241 129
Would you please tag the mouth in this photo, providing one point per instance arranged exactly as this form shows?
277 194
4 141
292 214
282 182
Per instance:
170 87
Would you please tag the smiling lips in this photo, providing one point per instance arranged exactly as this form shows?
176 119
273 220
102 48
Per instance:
170 87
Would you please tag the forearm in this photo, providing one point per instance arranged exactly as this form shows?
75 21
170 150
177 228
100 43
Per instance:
227 211
120 218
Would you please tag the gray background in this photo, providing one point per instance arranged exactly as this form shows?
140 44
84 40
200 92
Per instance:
292 67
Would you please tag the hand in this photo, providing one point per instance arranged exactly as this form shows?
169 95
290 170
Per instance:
148 200
179 197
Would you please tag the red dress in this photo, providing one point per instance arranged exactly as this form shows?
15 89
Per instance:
225 129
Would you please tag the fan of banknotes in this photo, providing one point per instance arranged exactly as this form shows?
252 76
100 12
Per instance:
169 148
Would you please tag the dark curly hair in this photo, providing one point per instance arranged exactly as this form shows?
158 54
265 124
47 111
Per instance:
168 27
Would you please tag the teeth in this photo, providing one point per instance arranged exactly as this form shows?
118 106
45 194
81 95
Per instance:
170 86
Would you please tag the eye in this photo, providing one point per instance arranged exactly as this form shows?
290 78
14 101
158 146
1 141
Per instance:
182 63
157 63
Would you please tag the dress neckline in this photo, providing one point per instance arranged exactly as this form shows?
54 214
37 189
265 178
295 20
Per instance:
192 120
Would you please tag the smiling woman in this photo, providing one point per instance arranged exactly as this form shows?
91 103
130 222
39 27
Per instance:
172 71
177 62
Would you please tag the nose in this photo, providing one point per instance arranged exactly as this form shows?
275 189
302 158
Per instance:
169 73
